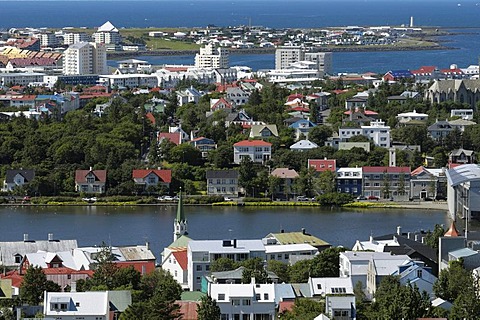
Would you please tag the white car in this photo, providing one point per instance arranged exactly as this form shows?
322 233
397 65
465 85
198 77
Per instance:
227 199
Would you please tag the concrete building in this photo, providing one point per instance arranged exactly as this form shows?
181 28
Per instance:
72 38
107 34
222 182
258 151
463 191
386 182
212 57
85 58
349 180
288 57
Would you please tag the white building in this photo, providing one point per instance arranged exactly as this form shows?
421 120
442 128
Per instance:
248 301
131 80
48 39
323 61
382 267
85 58
286 58
107 34
212 57
91 305
290 253
71 38
406 117
465 114
201 253
258 151
22 79
378 132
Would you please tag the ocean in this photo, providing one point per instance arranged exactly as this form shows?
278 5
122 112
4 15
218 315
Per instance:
274 14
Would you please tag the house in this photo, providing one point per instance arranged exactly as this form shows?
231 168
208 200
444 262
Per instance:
152 178
252 301
90 181
295 238
461 156
338 294
12 253
263 131
385 182
188 95
356 103
412 118
318 100
302 127
289 253
359 116
220 104
285 188
465 114
303 145
237 95
222 182
350 145
381 267
428 183
203 144
258 150
349 180
461 124
175 138
230 277
17 178
321 165
378 132
201 253
462 91
395 75
100 305
175 262
417 274
440 129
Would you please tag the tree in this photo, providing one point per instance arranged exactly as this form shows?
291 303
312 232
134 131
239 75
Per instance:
431 238
254 268
34 284
6 314
207 309
280 269
386 185
305 183
326 181
222 264
304 309
320 134
401 184
326 263
105 270
246 175
453 282
300 271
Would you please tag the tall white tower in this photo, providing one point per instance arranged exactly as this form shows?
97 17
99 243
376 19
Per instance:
411 22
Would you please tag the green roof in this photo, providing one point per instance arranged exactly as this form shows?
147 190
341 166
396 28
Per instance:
181 242
192 295
297 238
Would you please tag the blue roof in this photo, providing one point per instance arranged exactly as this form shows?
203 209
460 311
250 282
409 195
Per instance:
302 123
400 73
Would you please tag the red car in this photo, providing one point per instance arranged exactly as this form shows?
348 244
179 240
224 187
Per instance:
373 198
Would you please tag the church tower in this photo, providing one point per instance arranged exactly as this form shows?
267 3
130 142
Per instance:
180 223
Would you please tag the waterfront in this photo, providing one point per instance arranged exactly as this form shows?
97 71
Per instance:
92 225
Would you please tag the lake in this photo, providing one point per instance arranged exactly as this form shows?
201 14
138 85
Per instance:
92 225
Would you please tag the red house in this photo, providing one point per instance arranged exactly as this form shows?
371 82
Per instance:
321 165
152 177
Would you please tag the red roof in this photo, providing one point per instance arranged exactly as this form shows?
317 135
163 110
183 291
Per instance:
15 277
181 257
165 175
150 117
386 169
452 232
452 71
24 97
175 137
365 112
285 306
424 70
65 270
81 175
300 109
252 143
338 91
175 69
188 310
294 96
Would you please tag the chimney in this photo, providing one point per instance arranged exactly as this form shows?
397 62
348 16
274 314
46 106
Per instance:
417 237
73 286
303 230
371 239
423 240
91 168
147 245
25 237
399 230
253 280
50 237
234 243
409 235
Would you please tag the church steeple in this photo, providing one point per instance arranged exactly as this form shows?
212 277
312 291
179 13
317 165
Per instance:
180 223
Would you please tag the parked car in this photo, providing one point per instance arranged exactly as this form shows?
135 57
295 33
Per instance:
373 198
227 199
361 198
302 198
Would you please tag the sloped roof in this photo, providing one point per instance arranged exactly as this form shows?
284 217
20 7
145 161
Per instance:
27 174
463 173
257 129
252 143
386 169
222 174
452 231
181 257
165 174
180 244
81 175
285 173
175 137
188 310
297 237
136 253
304 145
107 27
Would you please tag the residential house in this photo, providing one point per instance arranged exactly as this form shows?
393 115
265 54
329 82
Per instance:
188 95
318 100
90 181
381 267
12 253
263 131
386 182
321 165
203 144
220 104
461 156
378 132
302 127
350 145
359 116
175 262
99 305
287 177
201 253
397 99
450 242
395 75
461 124
222 182
241 118
238 96
412 95
303 145
258 150
440 130
356 103
230 277
349 180
465 114
428 183
17 178
289 253
338 294
152 178
417 274
175 137
249 301
412 118
283 238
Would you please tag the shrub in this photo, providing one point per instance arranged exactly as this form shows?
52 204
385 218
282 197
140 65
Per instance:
248 199
334 199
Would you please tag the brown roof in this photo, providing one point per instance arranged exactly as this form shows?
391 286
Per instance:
175 137
188 310
452 232
81 175
285 173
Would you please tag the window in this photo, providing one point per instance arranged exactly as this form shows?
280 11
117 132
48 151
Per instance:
272 257
90 180
265 296
236 317
198 279
235 302
246 317
18 258
69 276
246 302
176 273
77 304
221 297
207 267
257 296
286 256
419 273
224 317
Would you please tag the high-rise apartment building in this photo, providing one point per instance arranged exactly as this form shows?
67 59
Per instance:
107 34
212 57
285 57
71 38
85 58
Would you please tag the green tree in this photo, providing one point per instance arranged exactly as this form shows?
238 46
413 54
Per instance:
6 314
207 309
222 264
453 282
326 181
300 271
304 309
246 175
431 238
280 269
320 134
305 183
386 185
34 284
401 184
326 263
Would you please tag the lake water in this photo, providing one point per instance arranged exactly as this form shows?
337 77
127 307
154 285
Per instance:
92 225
